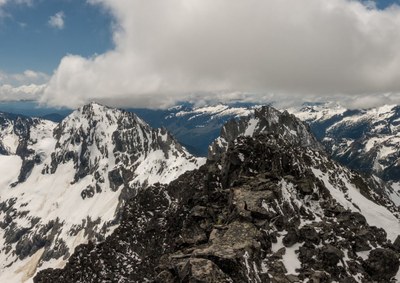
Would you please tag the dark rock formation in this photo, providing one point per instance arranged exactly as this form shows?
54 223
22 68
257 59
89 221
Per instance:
382 264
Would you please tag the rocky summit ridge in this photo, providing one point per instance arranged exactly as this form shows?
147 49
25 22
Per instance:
268 206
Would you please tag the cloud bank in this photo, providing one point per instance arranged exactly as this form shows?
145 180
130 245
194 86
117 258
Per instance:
26 85
166 51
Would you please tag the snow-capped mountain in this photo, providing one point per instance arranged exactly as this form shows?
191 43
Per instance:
24 137
66 183
193 126
365 140
269 206
265 120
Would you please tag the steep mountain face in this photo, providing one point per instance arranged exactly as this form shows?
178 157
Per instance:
267 207
22 136
13 127
73 191
365 140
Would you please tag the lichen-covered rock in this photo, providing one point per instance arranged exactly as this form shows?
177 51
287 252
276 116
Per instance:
200 270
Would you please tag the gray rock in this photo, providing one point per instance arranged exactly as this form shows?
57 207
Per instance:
290 238
165 277
200 270
331 255
396 244
309 234
382 264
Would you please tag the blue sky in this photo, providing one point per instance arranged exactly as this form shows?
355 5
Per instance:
29 41
385 3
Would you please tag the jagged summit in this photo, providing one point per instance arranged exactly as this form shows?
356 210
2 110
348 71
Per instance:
265 120
72 180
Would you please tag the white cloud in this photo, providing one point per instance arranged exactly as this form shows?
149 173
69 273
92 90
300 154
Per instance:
26 85
19 2
57 21
24 92
25 78
281 48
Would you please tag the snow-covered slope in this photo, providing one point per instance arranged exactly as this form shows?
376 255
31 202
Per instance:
12 128
70 181
365 140
269 206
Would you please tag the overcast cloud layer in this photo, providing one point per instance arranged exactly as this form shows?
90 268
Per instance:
299 49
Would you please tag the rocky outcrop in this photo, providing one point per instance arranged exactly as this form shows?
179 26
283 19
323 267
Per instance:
265 120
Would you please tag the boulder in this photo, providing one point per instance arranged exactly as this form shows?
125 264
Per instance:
200 270
233 242
331 255
290 238
309 234
382 264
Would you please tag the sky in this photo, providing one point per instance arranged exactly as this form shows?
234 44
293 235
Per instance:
152 53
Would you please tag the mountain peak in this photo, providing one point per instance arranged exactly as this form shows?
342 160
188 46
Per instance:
265 120
76 179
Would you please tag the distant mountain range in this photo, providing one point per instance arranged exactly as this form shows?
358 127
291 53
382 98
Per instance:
365 140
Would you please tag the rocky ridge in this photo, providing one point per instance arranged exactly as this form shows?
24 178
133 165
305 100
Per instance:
268 207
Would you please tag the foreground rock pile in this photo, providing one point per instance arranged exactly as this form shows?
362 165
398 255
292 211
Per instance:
253 216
